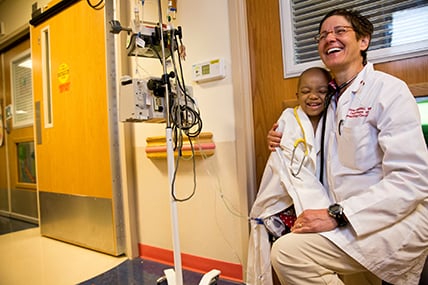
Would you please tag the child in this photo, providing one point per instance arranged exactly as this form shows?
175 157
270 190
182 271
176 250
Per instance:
287 186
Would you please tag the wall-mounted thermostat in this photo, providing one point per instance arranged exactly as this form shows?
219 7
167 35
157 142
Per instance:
209 70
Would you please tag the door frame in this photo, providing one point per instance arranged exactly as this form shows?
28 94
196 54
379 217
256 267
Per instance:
21 197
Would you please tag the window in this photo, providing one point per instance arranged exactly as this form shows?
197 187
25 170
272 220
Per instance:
422 102
399 29
26 162
22 91
46 70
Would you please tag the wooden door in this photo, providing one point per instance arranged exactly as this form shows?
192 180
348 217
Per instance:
77 185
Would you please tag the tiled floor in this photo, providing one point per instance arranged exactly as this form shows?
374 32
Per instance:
8 225
28 258
144 272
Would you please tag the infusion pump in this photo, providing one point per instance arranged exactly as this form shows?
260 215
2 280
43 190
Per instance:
139 104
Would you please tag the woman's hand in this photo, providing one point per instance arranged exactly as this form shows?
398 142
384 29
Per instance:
314 221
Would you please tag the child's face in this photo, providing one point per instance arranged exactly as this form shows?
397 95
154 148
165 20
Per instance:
312 91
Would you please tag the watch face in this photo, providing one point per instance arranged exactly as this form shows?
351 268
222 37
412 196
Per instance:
335 208
336 211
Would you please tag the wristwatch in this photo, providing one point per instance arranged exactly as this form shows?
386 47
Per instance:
336 211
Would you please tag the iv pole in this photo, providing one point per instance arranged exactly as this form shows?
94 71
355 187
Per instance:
178 272
172 276
175 276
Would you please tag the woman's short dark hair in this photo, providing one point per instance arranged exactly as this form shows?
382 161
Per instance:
361 25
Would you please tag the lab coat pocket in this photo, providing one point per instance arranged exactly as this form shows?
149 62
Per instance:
358 147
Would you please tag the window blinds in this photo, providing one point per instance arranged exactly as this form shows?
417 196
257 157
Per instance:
396 22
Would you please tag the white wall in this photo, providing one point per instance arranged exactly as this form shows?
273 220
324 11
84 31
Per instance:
213 223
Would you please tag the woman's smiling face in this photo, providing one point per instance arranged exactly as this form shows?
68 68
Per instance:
342 50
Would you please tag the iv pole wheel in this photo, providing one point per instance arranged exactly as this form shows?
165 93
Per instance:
209 278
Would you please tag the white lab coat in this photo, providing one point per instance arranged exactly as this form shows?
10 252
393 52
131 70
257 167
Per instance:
279 189
377 169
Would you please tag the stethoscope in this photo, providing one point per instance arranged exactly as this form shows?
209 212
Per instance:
334 92
297 142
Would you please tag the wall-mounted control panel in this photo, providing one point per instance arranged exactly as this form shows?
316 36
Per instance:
209 70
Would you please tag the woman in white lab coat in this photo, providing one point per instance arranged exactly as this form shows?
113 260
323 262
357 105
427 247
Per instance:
376 169
289 180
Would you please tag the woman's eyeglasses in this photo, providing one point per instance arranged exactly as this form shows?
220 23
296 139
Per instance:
337 31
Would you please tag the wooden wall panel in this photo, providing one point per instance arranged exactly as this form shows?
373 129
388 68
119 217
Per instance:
270 89
268 85
412 70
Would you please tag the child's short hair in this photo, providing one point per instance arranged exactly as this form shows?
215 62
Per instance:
323 70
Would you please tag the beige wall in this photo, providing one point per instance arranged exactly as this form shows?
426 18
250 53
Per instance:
213 224
16 13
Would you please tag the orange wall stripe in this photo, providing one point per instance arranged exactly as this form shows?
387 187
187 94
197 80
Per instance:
203 146
229 271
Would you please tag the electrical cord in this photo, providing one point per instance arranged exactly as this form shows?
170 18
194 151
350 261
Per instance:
184 116
98 6
179 128
174 196
218 191
187 115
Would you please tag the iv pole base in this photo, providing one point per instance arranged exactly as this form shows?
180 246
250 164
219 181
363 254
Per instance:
209 278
